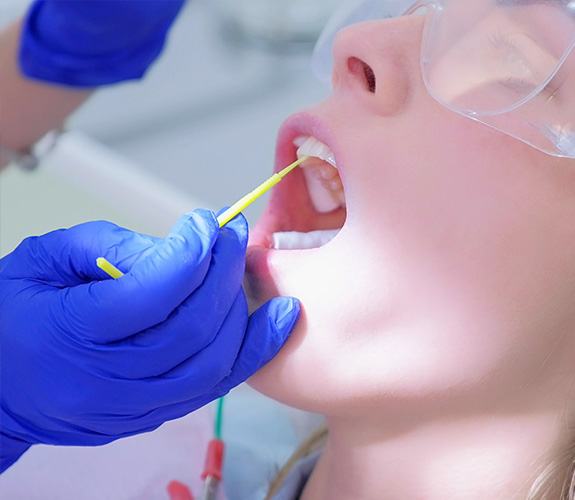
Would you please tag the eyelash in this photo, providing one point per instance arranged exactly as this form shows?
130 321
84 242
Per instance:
498 40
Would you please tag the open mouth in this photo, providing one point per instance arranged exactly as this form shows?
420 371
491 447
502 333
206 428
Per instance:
308 209
325 192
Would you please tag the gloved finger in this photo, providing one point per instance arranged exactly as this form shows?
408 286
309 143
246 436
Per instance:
150 291
120 426
67 257
150 420
190 380
198 374
268 330
195 323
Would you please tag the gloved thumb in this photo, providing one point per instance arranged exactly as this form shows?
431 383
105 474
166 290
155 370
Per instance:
268 330
151 290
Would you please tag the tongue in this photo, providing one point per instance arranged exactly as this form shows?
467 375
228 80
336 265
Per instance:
301 241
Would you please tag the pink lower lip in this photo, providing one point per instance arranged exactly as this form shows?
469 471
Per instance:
259 271
256 260
259 236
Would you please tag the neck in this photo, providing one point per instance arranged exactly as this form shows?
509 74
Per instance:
495 456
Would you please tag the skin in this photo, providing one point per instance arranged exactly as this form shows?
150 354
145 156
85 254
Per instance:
437 330
29 109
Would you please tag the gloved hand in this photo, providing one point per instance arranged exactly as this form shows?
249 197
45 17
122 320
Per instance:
87 43
87 359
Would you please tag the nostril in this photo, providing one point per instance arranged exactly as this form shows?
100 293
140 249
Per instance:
362 71
370 78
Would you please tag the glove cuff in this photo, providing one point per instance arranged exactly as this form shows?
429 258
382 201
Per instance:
81 64
11 449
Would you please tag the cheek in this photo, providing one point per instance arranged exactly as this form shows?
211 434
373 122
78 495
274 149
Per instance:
388 335
379 328
398 331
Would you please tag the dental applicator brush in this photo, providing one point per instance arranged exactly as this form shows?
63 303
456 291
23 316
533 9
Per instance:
228 214
263 188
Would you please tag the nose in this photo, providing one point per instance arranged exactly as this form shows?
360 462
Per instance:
377 63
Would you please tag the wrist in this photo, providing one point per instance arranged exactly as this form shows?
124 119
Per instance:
30 158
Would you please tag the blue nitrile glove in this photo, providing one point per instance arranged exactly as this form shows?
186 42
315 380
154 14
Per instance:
87 359
87 43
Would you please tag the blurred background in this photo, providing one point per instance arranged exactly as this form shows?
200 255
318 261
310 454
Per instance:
204 120
200 130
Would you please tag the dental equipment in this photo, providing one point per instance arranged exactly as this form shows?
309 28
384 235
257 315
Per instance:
109 268
228 214
252 196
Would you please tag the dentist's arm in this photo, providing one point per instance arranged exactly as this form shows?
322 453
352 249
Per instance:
64 49
29 109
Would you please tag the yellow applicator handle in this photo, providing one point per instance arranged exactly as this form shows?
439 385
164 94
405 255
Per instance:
227 215
109 268
263 188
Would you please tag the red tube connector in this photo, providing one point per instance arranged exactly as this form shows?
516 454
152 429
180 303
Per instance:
179 491
214 460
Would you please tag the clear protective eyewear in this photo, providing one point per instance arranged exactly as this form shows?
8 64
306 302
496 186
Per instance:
506 63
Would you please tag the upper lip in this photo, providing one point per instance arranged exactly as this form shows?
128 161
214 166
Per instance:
302 124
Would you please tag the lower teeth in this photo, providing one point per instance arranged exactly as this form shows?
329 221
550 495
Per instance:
302 241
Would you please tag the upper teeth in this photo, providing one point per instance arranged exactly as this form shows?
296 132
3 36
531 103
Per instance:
310 146
323 182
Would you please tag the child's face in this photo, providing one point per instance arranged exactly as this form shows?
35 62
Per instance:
455 269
